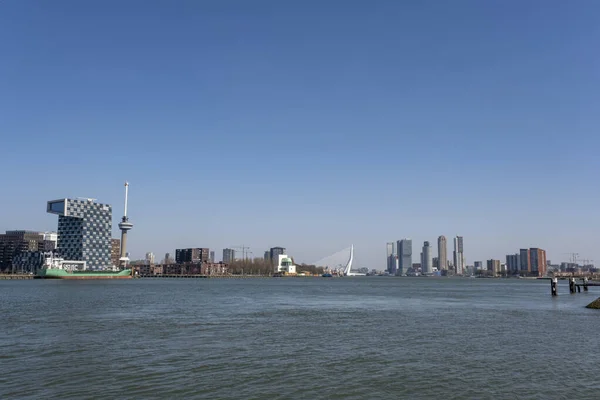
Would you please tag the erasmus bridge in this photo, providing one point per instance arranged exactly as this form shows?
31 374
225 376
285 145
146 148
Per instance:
339 263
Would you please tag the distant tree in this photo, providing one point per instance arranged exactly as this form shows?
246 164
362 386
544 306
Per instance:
248 266
260 266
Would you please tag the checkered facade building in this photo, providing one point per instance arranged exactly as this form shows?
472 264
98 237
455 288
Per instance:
84 231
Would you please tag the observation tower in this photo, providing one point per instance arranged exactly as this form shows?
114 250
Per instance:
124 226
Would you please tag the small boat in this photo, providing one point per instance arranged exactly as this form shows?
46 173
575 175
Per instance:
327 275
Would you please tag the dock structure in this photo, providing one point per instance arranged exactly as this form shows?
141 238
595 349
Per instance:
16 276
198 276
574 287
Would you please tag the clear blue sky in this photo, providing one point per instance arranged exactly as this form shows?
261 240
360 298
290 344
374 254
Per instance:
308 124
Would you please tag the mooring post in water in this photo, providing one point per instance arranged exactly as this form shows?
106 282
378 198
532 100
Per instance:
572 285
553 284
585 284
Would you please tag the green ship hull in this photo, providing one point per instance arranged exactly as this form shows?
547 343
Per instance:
54 273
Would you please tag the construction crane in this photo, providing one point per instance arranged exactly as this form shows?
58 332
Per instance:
244 249
573 257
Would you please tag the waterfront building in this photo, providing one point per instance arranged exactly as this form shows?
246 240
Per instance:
204 254
267 255
50 241
478 265
192 255
217 269
180 255
551 267
436 263
442 253
459 257
228 255
392 258
525 267
212 257
284 264
537 261
115 251
493 267
426 262
28 262
513 264
404 256
84 231
274 253
168 259
13 243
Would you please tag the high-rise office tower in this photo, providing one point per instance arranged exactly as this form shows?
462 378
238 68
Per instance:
525 262
513 263
274 252
84 231
193 255
537 261
442 253
212 257
392 258
228 255
459 257
493 267
404 256
426 262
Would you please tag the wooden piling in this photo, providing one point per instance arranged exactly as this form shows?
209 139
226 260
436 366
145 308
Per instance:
572 285
553 286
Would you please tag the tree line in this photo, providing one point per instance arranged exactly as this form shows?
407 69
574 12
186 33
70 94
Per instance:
260 266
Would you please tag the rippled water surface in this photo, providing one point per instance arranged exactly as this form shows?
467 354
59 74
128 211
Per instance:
304 338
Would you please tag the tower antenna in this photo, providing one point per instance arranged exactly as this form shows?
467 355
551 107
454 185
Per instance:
124 226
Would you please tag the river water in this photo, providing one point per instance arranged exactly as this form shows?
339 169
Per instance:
304 338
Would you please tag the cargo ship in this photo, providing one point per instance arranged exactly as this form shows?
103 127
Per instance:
58 268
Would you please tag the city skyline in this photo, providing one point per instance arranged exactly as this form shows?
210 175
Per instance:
394 246
526 262
309 108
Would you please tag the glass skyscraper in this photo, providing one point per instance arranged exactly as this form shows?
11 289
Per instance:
404 256
392 257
